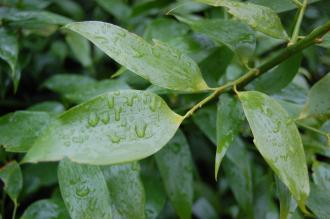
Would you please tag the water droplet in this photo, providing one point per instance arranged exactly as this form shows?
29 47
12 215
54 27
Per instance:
111 102
137 53
122 33
175 148
93 119
130 101
114 138
82 191
117 113
277 126
117 93
105 118
140 130
67 143
153 104
78 139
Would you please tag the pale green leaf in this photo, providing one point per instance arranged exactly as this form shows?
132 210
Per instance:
112 128
278 140
46 209
48 106
321 175
319 201
20 129
230 117
126 189
318 100
11 176
84 190
258 17
160 64
175 165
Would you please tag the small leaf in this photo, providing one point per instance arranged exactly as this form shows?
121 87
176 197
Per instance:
9 53
126 189
258 17
161 65
20 129
112 128
11 175
175 165
234 34
277 139
230 117
84 190
46 208
318 100
80 48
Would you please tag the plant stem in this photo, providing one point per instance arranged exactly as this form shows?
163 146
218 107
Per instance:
286 53
313 129
296 30
298 3
14 211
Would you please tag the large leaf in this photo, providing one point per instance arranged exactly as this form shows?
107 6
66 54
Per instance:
112 128
319 201
20 129
46 209
258 17
11 175
278 140
84 190
175 165
237 36
279 5
126 189
161 65
229 120
9 53
318 101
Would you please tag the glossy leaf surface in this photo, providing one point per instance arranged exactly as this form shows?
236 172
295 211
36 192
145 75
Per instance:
258 17
175 165
11 176
126 189
278 140
230 117
46 208
20 129
84 190
112 128
160 64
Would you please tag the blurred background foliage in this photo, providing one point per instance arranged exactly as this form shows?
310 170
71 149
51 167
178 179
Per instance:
45 68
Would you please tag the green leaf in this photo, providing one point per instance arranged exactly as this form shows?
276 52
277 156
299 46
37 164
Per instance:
80 48
117 8
11 175
46 209
84 190
319 201
9 53
161 65
20 129
325 41
205 119
175 165
237 167
261 18
230 117
48 106
278 140
126 189
287 204
318 100
321 175
280 77
279 5
112 128
234 34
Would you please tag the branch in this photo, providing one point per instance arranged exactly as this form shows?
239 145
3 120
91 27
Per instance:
286 53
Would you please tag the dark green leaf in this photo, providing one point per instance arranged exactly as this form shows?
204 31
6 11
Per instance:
278 140
112 128
161 65
230 117
80 48
279 5
175 165
46 209
118 8
84 190
126 189
205 119
20 129
11 176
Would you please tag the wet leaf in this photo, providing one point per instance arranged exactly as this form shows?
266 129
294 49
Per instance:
160 64
20 129
277 139
175 165
230 117
112 128
258 17
126 189
84 190
46 208
11 176
318 100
